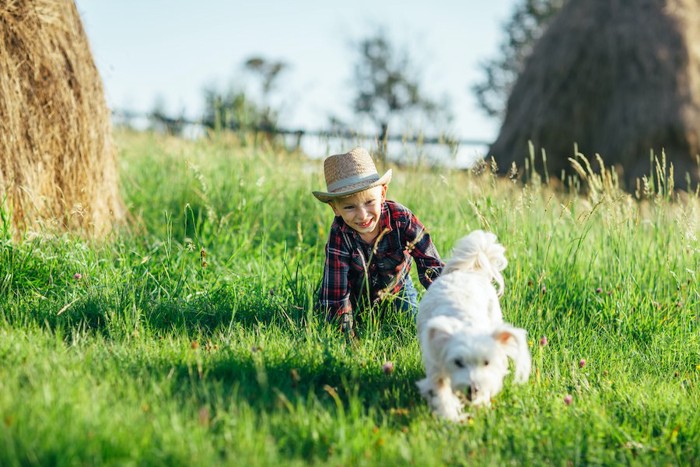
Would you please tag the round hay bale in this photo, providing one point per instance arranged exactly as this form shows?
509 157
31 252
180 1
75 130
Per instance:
57 158
617 78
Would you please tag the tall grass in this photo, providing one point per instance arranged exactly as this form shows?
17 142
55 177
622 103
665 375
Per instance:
190 336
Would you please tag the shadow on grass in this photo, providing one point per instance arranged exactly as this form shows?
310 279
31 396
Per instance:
112 315
287 384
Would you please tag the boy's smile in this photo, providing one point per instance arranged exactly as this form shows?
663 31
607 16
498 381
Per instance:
362 211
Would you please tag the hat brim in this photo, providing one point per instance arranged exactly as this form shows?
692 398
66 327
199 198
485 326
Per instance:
326 197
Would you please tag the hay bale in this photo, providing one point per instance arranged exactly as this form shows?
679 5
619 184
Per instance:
619 78
57 159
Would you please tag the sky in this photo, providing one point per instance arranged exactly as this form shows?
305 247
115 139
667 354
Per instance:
171 50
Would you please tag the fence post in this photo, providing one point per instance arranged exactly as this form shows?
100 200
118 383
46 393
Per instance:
299 134
382 142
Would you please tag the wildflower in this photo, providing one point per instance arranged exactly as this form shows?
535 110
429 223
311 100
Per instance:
77 276
582 363
598 290
388 368
568 399
543 341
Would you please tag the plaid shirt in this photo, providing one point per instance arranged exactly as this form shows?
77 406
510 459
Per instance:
388 261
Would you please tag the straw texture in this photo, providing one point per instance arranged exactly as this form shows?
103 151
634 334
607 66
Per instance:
57 159
617 78
350 173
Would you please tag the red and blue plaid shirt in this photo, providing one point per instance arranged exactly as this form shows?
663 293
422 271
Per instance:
388 261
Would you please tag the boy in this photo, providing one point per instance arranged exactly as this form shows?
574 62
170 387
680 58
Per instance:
371 242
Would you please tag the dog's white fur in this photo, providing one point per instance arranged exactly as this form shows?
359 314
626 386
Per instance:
464 342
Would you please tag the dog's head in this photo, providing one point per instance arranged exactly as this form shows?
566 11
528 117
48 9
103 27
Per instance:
477 362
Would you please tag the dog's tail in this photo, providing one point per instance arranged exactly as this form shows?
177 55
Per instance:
479 251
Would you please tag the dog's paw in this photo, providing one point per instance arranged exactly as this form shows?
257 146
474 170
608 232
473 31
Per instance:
455 414
447 405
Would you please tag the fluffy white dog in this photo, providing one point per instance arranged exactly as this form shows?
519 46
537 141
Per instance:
464 342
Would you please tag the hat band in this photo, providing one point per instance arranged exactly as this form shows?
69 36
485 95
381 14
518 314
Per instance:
354 180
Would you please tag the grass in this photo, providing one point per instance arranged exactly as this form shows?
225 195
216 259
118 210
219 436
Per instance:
189 336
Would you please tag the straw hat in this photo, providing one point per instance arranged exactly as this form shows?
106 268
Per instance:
349 173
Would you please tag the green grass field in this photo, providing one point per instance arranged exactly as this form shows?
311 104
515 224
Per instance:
189 337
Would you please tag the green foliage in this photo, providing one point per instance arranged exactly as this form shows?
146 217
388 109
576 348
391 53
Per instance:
162 122
388 84
235 109
268 71
191 337
525 27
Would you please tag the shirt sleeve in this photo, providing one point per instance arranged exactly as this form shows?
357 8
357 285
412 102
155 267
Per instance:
334 295
421 248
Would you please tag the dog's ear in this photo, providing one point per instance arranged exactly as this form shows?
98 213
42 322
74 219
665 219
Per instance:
514 343
438 331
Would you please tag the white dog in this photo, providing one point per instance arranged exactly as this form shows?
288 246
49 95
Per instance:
464 342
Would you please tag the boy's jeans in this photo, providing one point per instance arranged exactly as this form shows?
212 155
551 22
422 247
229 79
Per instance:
407 299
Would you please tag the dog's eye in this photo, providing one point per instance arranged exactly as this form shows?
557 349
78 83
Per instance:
486 363
459 363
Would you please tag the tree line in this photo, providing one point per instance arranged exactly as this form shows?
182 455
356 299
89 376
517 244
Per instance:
388 90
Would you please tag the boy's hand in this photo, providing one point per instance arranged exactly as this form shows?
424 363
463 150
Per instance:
347 325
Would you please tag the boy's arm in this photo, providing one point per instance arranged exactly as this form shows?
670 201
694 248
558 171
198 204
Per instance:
334 295
421 247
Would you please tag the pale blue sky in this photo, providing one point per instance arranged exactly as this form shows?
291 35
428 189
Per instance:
174 48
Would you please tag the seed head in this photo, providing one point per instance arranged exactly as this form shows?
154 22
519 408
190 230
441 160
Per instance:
294 376
388 367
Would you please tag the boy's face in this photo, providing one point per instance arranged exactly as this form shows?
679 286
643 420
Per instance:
362 210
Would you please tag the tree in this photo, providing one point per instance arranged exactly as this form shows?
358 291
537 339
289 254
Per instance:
162 122
388 84
268 71
523 29
231 109
235 109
